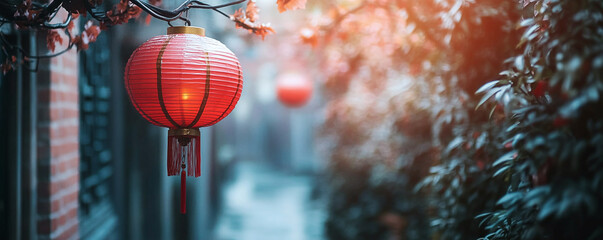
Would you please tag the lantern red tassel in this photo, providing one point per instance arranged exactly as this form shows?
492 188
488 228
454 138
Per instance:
184 152
183 192
183 81
184 157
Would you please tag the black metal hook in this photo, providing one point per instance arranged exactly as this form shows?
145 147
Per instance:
186 21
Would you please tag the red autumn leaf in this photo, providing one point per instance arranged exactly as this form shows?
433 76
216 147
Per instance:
111 16
26 4
13 59
252 11
23 10
239 15
509 145
401 3
122 6
51 39
284 5
537 181
560 122
70 26
541 177
415 68
75 6
480 164
88 36
241 21
121 13
92 30
104 25
81 41
155 2
467 146
78 42
147 20
32 14
263 30
6 66
476 135
309 36
540 88
134 11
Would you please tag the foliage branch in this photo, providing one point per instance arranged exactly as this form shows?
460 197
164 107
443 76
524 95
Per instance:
59 28
415 153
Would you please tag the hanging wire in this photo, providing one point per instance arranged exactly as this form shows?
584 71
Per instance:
186 17
184 6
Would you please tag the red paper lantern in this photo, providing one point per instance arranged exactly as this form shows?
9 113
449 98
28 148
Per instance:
293 89
183 81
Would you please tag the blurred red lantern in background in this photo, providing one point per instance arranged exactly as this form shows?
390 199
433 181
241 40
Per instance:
293 89
183 81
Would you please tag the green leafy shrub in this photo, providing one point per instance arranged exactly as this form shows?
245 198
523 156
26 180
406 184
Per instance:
552 90
521 159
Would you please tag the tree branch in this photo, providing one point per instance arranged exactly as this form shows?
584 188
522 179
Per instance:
42 14
166 15
13 47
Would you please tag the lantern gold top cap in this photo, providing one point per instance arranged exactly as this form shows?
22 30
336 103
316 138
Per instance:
186 29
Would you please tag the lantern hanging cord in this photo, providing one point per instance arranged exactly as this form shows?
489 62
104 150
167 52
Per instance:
183 158
186 21
184 18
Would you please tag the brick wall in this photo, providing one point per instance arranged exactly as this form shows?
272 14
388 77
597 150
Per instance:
58 148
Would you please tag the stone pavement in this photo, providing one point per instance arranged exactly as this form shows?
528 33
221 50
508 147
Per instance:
262 203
